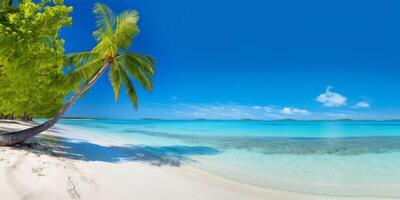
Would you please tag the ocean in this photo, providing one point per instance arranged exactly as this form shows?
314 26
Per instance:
342 158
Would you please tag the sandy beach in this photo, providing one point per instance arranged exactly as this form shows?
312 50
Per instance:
199 100
68 164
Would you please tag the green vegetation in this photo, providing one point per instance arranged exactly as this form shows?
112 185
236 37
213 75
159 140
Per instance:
31 58
114 35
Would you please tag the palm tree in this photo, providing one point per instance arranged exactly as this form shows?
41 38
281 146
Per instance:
114 34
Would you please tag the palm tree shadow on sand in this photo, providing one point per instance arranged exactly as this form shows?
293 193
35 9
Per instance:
86 151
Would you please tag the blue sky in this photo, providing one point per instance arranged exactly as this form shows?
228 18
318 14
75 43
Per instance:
255 59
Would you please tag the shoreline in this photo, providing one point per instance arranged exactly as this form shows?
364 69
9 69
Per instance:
59 175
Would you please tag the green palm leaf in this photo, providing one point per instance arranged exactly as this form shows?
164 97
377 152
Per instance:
106 48
79 58
130 89
136 72
106 20
115 78
126 29
146 62
84 73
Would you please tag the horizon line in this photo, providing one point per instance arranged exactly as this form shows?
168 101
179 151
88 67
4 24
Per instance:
209 119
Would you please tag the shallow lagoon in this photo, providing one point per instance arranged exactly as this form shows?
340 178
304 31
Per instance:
359 158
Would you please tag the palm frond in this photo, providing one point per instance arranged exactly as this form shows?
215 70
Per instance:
79 58
106 48
106 20
114 35
115 78
84 73
126 29
130 89
144 61
134 70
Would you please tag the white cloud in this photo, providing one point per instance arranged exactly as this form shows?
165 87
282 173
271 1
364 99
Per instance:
331 99
294 111
287 111
268 109
174 98
237 111
219 111
362 104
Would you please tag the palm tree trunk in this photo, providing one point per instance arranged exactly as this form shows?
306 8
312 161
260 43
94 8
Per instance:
16 137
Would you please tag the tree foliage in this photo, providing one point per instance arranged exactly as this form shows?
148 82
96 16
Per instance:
115 34
31 57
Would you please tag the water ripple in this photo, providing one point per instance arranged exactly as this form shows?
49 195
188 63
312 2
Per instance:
290 145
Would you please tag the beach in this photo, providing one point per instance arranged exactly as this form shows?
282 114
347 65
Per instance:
47 167
199 100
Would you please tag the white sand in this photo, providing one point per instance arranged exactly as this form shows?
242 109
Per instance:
35 173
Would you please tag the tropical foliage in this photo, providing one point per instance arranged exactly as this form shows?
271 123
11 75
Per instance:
31 57
114 34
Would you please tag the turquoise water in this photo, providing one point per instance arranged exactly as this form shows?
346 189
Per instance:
334 158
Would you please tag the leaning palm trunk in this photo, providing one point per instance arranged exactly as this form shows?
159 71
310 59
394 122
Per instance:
16 137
